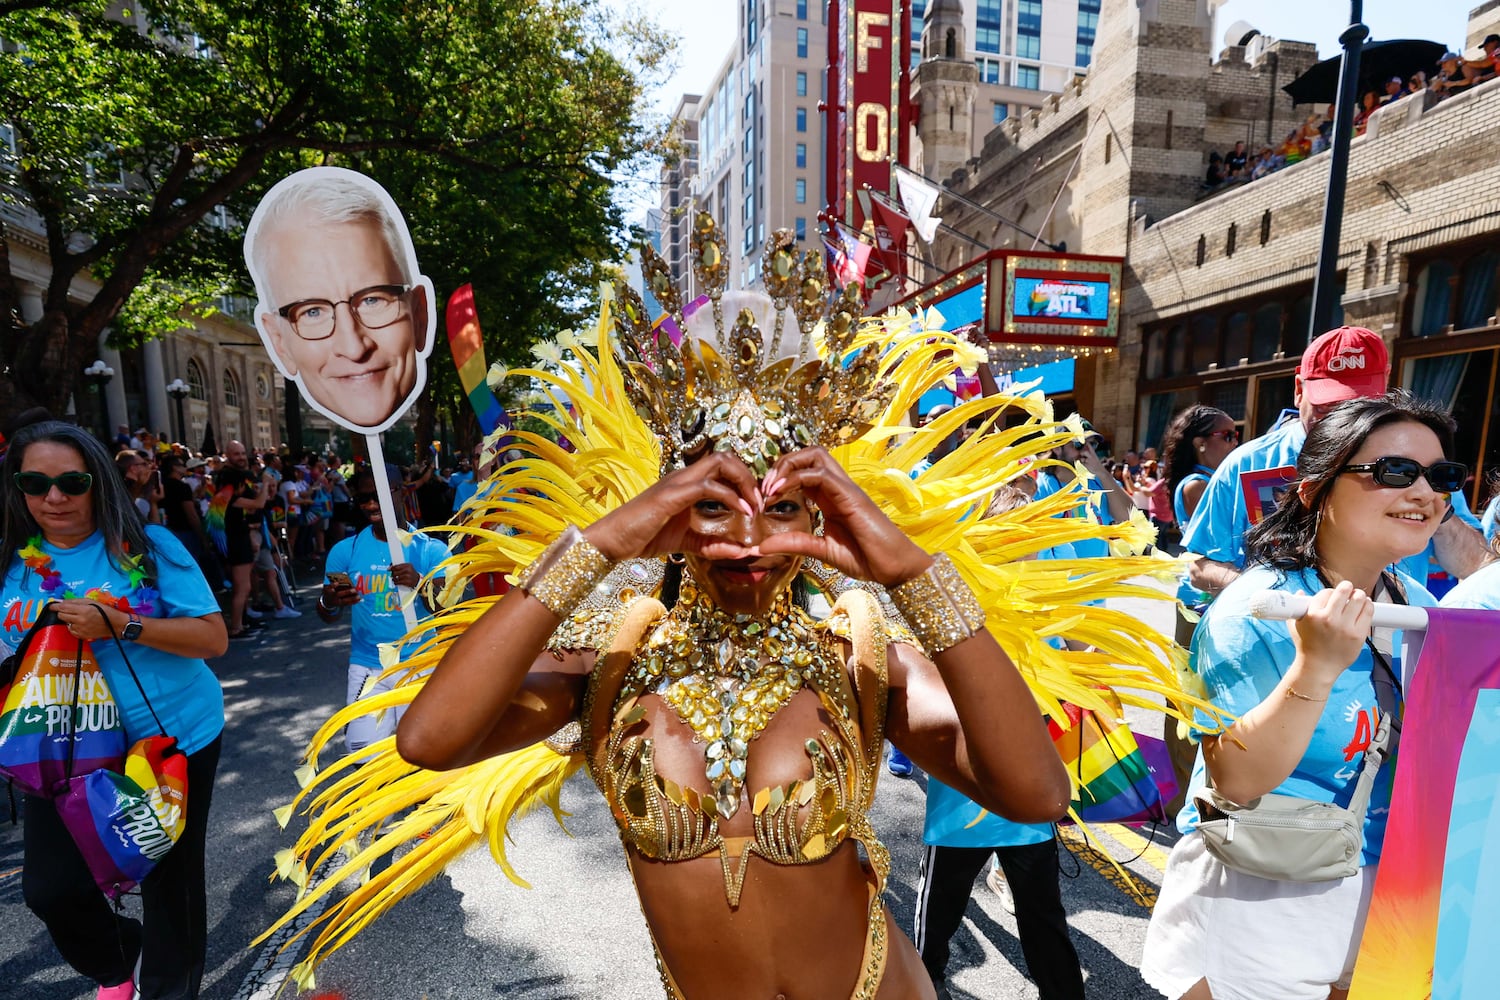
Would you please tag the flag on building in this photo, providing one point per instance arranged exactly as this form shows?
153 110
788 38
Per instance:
848 257
890 235
919 196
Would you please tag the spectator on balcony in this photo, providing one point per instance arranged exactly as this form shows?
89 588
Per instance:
1485 67
1451 78
1394 90
1217 173
1264 163
1417 83
1367 107
1236 161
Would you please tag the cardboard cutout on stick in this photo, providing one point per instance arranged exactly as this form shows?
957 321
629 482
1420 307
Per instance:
342 310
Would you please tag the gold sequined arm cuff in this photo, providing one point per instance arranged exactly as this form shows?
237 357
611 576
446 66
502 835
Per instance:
564 574
939 606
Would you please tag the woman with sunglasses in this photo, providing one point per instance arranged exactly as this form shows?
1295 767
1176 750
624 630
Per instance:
1197 441
72 536
1373 485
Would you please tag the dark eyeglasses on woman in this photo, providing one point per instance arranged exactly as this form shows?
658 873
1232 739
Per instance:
1229 434
34 484
1399 473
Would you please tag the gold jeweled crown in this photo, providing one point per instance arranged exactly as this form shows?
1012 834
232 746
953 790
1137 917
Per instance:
742 395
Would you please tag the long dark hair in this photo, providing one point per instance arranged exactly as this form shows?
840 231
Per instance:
1287 538
1177 452
115 513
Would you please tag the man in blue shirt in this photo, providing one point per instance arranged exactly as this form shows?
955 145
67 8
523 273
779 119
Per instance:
360 574
1348 363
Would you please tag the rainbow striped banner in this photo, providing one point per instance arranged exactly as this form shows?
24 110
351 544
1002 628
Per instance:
1431 927
1112 782
467 346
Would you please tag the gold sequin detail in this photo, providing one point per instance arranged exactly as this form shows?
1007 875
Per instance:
939 606
564 574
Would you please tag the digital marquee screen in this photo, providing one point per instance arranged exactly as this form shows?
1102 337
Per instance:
1051 296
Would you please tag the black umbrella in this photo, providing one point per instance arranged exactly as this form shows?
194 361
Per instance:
1378 62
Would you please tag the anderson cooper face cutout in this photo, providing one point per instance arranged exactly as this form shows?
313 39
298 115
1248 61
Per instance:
342 309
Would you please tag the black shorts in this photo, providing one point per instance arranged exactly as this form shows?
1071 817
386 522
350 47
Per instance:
240 553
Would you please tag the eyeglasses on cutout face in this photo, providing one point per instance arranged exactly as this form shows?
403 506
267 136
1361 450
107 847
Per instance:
35 484
375 308
1399 473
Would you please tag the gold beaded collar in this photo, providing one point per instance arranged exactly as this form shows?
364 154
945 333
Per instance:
727 675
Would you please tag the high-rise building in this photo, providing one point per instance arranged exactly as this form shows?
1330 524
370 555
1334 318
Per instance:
672 225
758 137
1023 50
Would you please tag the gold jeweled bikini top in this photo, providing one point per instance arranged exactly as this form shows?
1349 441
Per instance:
725 678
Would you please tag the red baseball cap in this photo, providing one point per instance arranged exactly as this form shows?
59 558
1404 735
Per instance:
1348 363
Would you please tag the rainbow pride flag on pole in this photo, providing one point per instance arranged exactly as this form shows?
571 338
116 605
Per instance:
467 345
1433 917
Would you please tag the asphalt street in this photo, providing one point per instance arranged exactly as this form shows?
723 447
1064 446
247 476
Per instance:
578 931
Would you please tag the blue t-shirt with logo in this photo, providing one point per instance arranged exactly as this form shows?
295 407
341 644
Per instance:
377 617
1242 659
182 690
1218 526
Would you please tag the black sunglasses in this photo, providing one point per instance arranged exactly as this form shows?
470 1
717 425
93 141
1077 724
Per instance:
1399 473
359 499
34 484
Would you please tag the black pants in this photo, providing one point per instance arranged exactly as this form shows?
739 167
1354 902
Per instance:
948 875
100 943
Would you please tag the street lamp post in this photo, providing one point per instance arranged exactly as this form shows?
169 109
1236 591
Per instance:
1325 286
98 375
179 390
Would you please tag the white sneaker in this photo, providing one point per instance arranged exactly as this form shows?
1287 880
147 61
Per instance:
286 611
254 615
996 881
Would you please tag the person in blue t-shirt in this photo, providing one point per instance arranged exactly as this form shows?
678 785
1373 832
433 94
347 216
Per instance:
360 575
1113 507
1373 483
72 538
1348 363
960 837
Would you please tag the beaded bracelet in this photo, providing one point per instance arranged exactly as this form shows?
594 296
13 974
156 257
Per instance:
939 606
562 576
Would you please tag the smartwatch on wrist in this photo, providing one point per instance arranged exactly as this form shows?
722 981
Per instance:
132 630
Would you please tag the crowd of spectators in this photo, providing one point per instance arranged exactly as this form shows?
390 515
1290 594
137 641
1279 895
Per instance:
307 506
1452 75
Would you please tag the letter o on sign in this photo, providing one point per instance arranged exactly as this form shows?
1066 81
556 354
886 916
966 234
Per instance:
870 117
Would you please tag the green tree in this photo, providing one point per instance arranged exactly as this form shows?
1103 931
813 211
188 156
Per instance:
144 137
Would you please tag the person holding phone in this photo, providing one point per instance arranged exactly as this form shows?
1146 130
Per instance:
359 574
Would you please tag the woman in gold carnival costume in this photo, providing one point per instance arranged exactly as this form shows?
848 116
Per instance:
736 739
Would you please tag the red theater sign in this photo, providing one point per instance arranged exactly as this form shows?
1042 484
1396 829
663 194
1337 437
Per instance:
869 50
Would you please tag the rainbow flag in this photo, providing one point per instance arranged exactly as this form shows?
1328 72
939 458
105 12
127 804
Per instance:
467 346
213 521
1112 782
1431 927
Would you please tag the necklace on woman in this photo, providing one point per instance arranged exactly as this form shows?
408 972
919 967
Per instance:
726 676
140 599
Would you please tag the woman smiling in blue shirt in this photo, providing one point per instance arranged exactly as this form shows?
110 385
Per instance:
1371 490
